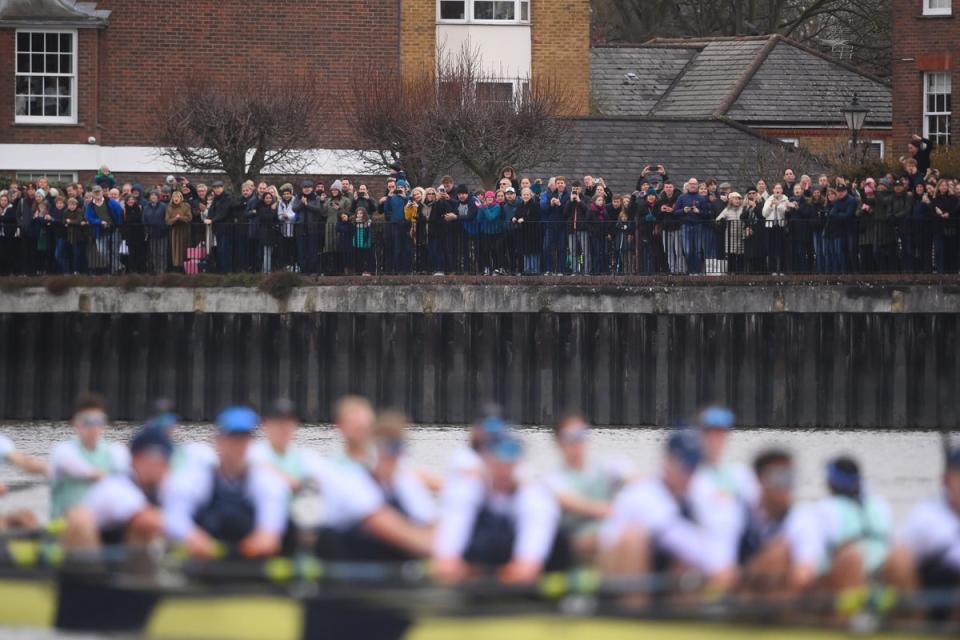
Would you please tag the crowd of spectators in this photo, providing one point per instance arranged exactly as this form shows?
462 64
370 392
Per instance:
903 221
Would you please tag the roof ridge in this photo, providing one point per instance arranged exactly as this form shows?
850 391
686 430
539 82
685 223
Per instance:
705 40
840 63
673 83
758 59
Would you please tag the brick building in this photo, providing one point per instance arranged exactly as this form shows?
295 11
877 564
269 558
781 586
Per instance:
79 81
926 34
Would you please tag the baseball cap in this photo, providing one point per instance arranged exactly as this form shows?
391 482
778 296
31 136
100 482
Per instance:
506 448
237 421
216 183
148 440
684 446
716 418
282 408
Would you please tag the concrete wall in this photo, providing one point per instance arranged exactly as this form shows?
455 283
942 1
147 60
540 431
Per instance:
851 357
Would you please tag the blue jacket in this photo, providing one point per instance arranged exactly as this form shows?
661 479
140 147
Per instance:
491 220
393 209
844 208
691 200
551 213
155 219
116 213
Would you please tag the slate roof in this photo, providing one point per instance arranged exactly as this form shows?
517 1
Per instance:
618 148
629 81
733 77
795 85
52 13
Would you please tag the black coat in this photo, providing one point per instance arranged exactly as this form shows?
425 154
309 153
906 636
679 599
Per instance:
223 209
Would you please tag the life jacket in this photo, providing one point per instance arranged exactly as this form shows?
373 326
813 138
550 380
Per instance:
229 515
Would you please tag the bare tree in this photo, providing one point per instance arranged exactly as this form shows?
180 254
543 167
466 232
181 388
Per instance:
241 129
459 113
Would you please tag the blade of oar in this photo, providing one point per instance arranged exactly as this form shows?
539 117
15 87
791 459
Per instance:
24 485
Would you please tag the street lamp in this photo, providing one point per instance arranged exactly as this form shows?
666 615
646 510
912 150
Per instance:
855 114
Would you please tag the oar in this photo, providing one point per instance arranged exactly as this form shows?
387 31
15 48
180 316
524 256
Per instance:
25 485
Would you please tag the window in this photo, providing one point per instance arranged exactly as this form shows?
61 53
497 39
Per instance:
876 149
793 142
484 10
55 177
937 7
937 88
495 91
46 74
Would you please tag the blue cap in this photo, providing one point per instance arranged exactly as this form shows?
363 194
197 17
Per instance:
506 448
163 421
684 446
716 418
238 420
151 440
843 476
953 458
493 425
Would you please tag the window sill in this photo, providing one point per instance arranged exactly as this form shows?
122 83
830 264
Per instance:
934 16
47 125
494 23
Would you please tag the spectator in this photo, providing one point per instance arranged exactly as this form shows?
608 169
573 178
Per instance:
104 216
688 207
463 212
945 206
490 216
155 221
578 222
801 216
246 247
919 150
362 241
510 174
775 215
178 219
336 204
104 178
309 229
625 244
552 204
221 216
134 235
733 228
839 217
398 245
509 210
527 230
268 213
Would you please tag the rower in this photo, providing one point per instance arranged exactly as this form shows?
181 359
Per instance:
498 522
652 527
854 534
722 493
277 451
363 520
234 502
21 518
584 488
400 496
468 460
77 464
185 454
125 508
932 536
777 550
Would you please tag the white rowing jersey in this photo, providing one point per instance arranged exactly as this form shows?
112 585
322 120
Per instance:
114 500
74 469
649 505
720 498
350 495
932 532
532 509
595 482
867 523
192 488
6 447
296 462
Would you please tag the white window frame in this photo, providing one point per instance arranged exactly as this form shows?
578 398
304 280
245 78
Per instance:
469 19
930 10
881 145
75 107
33 176
928 77
795 142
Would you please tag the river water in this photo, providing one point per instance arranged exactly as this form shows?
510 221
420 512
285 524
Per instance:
903 466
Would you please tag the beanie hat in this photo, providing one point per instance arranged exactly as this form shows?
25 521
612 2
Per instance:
489 194
462 188
286 186
336 185
401 183
306 184
651 192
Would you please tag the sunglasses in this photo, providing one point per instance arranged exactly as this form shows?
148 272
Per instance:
91 420
779 478
575 435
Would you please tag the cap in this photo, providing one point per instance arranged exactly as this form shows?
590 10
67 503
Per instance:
238 420
841 187
684 446
752 190
162 422
462 188
216 183
652 192
716 418
153 441
724 185
843 474
306 184
510 190
282 408
506 449
953 459
734 194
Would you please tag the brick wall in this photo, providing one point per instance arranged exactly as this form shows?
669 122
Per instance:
561 47
920 43
826 140
418 36
149 46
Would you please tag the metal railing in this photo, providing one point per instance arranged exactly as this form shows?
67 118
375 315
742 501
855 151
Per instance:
858 245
